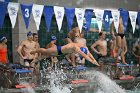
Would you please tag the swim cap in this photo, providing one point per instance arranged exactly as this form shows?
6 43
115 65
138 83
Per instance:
53 38
29 33
2 38
84 50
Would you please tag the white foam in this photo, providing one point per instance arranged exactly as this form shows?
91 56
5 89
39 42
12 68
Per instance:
28 89
103 83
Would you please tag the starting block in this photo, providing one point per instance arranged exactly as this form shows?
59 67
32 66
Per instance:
80 68
78 81
124 66
25 86
126 77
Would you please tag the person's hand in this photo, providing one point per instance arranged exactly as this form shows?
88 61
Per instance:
96 63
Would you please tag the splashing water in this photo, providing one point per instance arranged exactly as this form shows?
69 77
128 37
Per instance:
54 80
28 88
103 83
57 85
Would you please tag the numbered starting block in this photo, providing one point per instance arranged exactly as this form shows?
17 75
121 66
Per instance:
126 77
76 72
79 81
125 68
80 68
79 71
25 86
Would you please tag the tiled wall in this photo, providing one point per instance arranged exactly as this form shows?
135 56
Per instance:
91 37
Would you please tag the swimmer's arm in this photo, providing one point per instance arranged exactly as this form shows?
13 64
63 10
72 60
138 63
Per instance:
19 49
93 47
95 62
91 56
40 50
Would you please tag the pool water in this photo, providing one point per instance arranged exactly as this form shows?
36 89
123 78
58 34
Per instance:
57 81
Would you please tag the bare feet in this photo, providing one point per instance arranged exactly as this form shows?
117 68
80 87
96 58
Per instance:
125 63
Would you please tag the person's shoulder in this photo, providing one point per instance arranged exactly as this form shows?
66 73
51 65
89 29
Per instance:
23 41
97 41
84 39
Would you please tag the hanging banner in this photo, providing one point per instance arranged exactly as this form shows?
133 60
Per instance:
124 14
116 16
26 12
37 11
106 18
48 13
88 18
13 10
59 15
3 11
70 12
139 19
99 18
79 12
133 17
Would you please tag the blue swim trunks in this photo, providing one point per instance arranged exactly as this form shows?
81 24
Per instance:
59 50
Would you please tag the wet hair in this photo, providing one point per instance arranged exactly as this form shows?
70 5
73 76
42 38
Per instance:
101 33
34 34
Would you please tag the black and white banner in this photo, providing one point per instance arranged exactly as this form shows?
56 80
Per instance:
79 12
99 18
116 16
13 10
133 17
59 15
37 11
83 16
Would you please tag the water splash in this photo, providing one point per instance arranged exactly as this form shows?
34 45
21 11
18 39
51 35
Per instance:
103 83
28 88
54 80
57 85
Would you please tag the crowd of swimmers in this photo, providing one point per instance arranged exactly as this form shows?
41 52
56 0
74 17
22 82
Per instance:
76 50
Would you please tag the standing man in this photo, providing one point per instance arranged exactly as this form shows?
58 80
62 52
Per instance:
121 44
36 64
52 44
101 50
77 38
25 48
136 51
